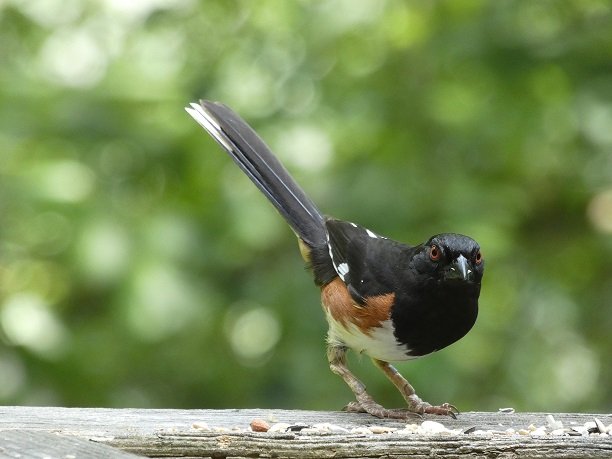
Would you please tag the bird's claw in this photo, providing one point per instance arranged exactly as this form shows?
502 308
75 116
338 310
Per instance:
419 406
446 409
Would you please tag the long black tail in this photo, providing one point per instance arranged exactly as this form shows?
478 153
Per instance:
256 160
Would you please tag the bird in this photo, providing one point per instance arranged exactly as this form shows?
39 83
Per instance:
388 300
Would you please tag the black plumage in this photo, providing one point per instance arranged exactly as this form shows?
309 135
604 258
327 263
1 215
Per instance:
386 299
430 311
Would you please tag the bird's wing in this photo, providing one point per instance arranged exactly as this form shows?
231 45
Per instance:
355 254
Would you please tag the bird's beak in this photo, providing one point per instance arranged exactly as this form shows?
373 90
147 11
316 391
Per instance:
459 269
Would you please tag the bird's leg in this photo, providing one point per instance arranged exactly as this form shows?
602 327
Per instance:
336 354
415 404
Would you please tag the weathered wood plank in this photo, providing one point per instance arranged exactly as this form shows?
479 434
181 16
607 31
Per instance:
25 444
225 433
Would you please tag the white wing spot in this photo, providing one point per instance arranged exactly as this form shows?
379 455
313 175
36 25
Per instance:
371 234
353 225
342 270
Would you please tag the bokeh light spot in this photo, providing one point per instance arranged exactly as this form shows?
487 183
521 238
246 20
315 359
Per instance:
27 321
103 251
600 211
73 58
306 147
65 180
162 302
253 334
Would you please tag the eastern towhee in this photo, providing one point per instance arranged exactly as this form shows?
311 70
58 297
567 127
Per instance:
382 298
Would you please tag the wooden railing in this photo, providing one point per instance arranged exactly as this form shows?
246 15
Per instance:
121 433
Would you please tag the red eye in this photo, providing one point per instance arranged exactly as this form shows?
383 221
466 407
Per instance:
478 258
434 253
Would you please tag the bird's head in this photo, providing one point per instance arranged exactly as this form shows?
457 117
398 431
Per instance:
451 258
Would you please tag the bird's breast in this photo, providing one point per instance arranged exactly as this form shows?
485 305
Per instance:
428 323
366 328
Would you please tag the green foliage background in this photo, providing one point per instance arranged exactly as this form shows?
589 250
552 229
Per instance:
138 267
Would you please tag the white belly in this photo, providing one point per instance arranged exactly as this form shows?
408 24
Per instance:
380 343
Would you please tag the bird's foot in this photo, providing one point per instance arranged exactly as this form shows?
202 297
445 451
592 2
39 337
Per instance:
417 407
379 411
415 404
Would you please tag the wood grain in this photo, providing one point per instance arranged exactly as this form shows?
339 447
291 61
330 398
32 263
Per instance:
224 433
